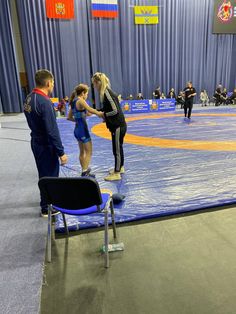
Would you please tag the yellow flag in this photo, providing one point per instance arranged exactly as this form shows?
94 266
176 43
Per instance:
146 14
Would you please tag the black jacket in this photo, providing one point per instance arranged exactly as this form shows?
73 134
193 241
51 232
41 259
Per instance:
113 113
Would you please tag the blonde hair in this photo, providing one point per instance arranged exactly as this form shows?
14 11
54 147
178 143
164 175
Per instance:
79 89
105 82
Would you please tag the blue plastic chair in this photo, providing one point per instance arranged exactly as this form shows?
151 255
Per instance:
76 196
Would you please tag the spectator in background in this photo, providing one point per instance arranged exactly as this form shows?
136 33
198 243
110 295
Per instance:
139 96
224 96
204 98
190 93
67 100
163 96
157 93
120 98
180 99
130 97
220 87
232 98
171 94
217 96
62 107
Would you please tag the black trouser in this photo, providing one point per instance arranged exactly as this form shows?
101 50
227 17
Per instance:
46 161
218 100
188 106
117 146
181 102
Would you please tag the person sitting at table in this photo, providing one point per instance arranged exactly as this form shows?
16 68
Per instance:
120 98
139 96
171 94
130 97
157 93
163 96
180 99
204 98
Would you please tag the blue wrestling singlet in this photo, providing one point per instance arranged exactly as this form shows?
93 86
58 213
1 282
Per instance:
81 131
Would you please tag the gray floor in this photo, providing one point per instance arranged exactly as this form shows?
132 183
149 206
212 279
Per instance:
183 265
23 232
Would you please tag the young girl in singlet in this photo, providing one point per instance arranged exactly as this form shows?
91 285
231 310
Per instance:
77 113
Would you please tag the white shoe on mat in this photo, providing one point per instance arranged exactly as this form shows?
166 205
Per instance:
122 170
115 176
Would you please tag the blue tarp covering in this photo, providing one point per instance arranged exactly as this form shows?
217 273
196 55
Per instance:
161 181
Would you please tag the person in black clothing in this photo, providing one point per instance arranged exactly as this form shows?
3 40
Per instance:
115 122
171 94
157 93
139 96
190 92
180 99
232 98
217 96
224 97
46 143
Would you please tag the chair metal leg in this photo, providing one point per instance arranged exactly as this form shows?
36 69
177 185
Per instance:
106 239
49 237
65 224
113 219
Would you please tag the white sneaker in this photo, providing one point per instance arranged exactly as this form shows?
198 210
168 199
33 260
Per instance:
122 170
115 176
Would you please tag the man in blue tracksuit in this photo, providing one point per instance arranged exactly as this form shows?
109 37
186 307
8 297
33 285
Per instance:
46 143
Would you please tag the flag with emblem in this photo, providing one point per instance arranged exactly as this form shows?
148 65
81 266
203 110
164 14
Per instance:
60 9
146 14
105 8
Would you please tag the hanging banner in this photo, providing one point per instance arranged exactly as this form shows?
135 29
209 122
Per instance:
148 105
105 8
146 15
60 9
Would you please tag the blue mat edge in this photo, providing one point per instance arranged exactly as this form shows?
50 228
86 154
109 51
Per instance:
151 216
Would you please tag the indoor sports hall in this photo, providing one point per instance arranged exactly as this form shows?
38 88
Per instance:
118 146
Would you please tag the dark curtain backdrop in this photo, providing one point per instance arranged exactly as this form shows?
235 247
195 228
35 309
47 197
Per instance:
10 90
136 58
1 109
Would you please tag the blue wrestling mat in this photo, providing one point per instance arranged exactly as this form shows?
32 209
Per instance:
172 165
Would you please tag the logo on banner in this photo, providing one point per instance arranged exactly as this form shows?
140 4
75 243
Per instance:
60 8
225 12
126 107
154 106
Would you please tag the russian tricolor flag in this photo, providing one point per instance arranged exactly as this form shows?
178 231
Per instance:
105 8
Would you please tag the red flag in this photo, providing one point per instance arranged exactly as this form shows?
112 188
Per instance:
60 9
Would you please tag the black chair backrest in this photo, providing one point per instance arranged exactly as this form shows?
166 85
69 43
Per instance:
71 193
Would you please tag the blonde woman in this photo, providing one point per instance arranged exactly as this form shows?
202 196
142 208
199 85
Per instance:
115 122
78 113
